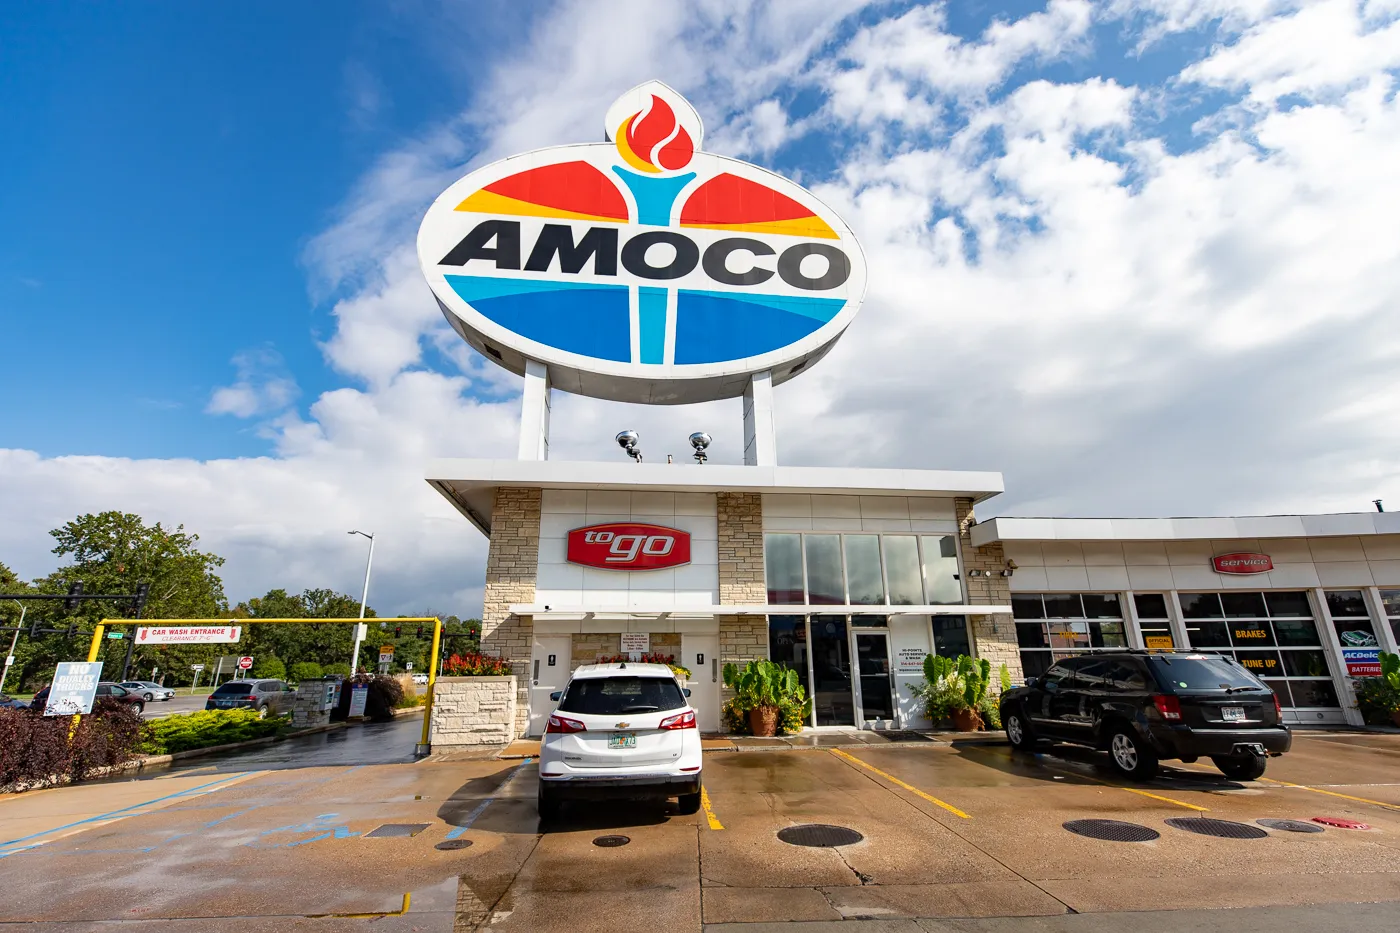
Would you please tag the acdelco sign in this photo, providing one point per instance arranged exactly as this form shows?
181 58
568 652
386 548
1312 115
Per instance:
642 269
1242 563
629 546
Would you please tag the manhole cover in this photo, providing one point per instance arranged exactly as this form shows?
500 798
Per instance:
1340 823
448 845
611 842
1225 829
1112 830
1291 826
819 835
397 829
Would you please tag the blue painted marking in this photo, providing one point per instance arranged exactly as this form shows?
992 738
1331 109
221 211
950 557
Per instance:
223 819
124 810
651 318
654 195
590 320
481 807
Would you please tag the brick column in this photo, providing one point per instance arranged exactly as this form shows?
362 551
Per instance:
993 636
741 579
511 566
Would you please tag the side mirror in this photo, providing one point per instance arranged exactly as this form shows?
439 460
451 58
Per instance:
686 691
556 695
1031 681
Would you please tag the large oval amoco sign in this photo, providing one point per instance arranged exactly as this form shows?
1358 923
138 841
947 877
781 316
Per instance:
642 269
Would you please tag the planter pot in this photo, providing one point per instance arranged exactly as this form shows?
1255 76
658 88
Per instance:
966 720
1395 717
763 720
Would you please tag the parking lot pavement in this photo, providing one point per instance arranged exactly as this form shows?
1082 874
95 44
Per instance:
951 833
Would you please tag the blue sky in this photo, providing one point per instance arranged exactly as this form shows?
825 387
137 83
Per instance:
1137 255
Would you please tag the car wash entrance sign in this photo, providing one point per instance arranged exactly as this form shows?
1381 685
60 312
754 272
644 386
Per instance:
642 269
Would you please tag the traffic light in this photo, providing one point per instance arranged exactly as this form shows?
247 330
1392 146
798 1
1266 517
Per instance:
420 631
142 591
398 630
75 590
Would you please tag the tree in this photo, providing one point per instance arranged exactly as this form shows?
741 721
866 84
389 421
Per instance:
269 665
320 644
304 670
111 552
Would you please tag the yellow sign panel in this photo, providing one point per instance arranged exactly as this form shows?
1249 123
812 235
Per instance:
1158 641
387 649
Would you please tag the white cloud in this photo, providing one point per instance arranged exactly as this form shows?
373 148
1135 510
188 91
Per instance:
1057 290
263 386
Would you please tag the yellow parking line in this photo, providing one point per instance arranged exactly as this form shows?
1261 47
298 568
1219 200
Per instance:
1131 790
709 813
896 781
1332 793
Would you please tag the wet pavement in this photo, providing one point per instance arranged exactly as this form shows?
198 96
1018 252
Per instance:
278 839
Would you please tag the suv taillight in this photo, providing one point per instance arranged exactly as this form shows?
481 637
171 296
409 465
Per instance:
1278 708
1168 705
684 720
250 697
564 725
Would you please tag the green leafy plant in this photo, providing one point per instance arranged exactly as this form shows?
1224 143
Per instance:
1378 698
206 728
941 693
760 684
270 665
1005 678
975 676
990 711
305 670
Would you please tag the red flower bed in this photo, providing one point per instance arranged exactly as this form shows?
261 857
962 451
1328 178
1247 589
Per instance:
474 664
655 658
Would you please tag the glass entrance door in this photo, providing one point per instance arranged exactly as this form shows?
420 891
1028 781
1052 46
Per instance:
873 665
831 672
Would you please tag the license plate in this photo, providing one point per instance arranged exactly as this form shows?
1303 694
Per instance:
622 740
1232 713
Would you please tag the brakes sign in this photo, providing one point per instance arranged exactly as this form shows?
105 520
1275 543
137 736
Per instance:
629 546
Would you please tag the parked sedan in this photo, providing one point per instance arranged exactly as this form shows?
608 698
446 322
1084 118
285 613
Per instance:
105 690
1141 707
149 690
9 702
266 697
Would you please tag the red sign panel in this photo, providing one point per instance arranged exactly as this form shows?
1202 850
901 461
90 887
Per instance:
244 663
629 546
1243 563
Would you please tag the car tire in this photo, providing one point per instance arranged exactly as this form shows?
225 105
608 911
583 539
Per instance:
1018 732
548 803
139 707
1240 767
262 711
148 698
688 803
1130 755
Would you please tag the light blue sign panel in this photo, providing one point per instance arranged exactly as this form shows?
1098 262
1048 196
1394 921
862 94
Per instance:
74 687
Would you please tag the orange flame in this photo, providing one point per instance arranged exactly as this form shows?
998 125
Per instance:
657 141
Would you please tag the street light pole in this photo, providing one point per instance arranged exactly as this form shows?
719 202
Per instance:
364 597
10 658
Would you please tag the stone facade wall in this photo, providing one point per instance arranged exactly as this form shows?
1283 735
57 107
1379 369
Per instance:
587 649
511 566
473 711
994 636
309 704
741 579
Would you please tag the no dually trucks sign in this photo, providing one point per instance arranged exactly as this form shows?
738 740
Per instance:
188 634
74 687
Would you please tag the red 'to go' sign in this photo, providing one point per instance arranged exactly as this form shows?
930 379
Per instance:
1243 563
629 546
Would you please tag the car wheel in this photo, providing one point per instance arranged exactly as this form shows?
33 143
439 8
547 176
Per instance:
262 712
148 698
139 707
1018 733
688 803
1129 755
1240 767
548 803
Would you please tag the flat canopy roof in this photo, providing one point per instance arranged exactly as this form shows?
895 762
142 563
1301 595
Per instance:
1007 528
470 485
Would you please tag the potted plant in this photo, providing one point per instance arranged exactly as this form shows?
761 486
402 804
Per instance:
1378 698
974 676
760 689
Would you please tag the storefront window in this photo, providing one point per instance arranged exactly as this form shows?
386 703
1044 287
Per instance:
1150 605
902 569
1272 635
787 645
1350 619
1390 602
1152 619
1050 626
941 583
782 558
863 570
950 636
826 583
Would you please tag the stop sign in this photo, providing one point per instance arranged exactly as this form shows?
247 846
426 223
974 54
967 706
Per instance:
245 663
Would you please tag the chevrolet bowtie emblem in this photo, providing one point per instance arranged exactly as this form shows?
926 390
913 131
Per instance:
622 725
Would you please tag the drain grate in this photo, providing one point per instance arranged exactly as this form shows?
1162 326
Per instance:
1340 823
1290 826
397 829
1112 830
611 842
819 835
1224 829
450 845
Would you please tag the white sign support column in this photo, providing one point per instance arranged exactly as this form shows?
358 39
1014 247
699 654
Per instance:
534 412
760 434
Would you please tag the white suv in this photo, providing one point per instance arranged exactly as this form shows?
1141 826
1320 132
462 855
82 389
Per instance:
621 730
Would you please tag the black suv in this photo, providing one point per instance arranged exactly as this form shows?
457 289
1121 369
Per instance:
1143 706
